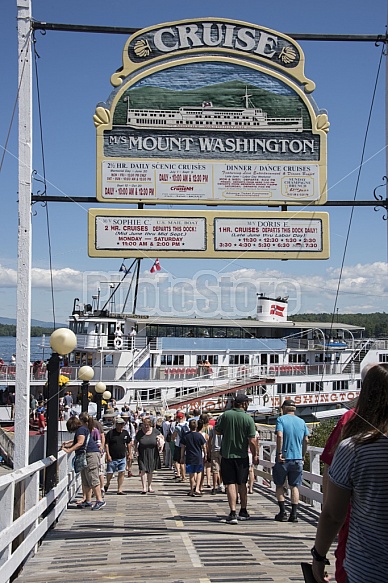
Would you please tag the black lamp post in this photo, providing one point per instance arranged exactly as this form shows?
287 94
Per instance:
62 341
85 374
100 389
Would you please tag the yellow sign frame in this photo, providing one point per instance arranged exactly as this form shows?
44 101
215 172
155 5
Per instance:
208 234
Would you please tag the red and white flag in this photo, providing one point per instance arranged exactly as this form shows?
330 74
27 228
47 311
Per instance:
156 266
276 310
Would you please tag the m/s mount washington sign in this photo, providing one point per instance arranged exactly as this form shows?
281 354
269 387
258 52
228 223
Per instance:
213 112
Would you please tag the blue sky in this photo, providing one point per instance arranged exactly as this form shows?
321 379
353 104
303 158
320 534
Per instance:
74 75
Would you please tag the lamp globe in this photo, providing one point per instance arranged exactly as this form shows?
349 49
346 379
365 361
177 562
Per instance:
100 388
63 341
107 395
85 373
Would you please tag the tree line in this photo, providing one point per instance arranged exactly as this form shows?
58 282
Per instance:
10 330
375 324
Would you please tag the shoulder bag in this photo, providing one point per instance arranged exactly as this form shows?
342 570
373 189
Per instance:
80 462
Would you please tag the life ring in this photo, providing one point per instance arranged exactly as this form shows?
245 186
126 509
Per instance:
118 343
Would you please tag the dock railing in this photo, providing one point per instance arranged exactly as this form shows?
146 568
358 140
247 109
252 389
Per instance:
27 513
311 488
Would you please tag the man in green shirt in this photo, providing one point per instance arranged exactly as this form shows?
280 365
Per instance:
238 433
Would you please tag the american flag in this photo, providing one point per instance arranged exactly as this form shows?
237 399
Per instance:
276 310
156 266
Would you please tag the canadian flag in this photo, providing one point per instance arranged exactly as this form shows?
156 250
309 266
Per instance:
156 266
276 310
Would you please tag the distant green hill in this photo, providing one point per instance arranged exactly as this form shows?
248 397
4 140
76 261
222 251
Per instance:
38 327
375 324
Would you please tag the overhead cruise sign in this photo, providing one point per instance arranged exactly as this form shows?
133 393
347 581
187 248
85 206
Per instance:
214 112
208 234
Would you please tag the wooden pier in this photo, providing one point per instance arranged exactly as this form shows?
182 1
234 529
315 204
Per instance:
168 537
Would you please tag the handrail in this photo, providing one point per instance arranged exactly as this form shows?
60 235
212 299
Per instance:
311 488
37 511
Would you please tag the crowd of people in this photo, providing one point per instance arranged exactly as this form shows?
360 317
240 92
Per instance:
211 455
218 455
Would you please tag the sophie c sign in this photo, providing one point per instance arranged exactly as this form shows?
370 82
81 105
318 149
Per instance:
211 111
208 234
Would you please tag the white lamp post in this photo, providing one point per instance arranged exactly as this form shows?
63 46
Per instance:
85 374
100 389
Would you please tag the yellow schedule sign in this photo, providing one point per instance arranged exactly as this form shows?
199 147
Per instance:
208 234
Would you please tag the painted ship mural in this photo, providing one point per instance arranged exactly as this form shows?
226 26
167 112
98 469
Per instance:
208 117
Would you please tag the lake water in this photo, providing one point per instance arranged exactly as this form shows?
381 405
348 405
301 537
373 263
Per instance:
38 352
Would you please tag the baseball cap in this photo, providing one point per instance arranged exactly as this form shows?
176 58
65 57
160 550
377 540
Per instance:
241 398
120 420
180 415
288 403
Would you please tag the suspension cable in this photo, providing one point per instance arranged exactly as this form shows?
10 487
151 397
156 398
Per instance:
36 57
356 189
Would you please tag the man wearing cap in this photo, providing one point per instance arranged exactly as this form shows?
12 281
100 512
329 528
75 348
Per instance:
118 446
238 432
291 446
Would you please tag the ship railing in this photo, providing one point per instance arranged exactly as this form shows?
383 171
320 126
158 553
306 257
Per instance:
138 358
28 513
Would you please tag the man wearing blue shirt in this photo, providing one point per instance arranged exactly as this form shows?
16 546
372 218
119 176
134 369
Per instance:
291 446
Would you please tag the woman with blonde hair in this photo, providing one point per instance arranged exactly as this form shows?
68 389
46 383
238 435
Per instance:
359 473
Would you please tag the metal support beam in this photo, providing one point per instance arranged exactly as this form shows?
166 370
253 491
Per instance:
128 31
93 200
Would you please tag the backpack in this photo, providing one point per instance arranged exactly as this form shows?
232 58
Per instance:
182 430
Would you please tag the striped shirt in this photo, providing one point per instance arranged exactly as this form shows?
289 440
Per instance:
363 469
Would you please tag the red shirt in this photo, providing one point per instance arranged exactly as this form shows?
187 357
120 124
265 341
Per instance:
328 453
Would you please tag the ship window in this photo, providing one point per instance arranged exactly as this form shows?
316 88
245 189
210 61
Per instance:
296 358
178 359
166 360
212 358
340 385
234 333
273 358
108 359
383 357
219 332
203 332
312 387
154 394
170 331
238 359
152 331
286 388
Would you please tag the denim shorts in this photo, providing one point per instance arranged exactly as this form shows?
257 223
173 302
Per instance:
290 469
116 466
194 468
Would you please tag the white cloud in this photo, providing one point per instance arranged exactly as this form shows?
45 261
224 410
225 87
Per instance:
364 288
